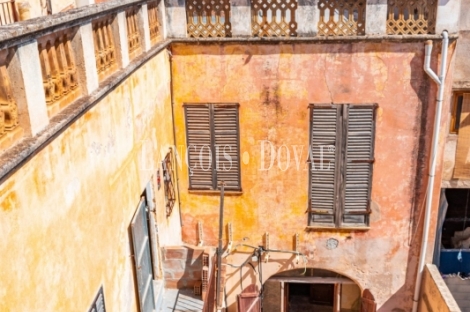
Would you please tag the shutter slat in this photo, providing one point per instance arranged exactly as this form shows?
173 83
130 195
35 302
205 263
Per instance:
323 134
226 142
198 136
359 147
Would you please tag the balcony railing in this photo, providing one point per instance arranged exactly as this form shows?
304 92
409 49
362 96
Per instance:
59 72
61 58
105 49
8 12
272 18
416 17
342 17
208 18
103 39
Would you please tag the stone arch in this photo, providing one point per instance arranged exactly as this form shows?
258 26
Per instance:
311 288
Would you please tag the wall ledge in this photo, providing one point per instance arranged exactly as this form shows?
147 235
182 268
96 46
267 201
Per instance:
319 39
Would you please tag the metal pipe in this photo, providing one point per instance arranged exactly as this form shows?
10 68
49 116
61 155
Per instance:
440 81
172 99
219 248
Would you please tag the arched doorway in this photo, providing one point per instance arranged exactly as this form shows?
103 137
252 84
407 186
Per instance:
312 289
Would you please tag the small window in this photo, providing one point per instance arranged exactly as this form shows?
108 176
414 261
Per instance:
212 138
456 112
341 160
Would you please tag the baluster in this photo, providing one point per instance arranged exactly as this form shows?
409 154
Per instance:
109 31
71 68
46 75
8 105
102 45
55 71
61 60
97 48
106 46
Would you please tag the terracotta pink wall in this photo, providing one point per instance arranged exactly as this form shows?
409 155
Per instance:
274 84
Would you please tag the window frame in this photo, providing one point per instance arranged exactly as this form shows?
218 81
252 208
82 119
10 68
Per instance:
457 101
215 188
341 162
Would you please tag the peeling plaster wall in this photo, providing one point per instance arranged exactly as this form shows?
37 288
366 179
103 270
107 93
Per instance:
274 85
65 214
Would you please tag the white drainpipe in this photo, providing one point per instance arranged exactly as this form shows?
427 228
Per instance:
432 165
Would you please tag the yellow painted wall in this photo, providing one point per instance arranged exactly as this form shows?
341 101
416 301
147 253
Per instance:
65 214
274 84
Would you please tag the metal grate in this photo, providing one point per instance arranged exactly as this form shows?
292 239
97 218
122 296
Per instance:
411 17
133 36
170 197
58 68
342 17
273 18
154 22
208 18
105 51
8 12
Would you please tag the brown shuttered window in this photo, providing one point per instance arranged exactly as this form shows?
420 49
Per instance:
341 161
213 152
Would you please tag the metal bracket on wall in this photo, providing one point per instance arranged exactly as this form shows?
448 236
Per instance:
266 246
199 232
296 247
230 237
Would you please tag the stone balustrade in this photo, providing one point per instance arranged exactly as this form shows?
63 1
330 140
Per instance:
49 63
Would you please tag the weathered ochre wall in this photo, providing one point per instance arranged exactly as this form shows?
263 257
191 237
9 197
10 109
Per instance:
274 85
65 214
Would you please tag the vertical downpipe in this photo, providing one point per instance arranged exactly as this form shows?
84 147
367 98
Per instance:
432 164
219 248
170 56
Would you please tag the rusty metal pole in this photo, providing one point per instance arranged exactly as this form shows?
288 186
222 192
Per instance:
219 248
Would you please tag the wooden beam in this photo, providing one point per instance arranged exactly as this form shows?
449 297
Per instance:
312 280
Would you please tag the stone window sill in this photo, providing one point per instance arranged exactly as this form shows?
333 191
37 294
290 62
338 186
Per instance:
342 228
215 192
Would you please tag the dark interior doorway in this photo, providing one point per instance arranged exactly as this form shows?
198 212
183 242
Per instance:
457 216
303 297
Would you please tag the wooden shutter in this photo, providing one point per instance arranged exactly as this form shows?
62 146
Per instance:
249 300
226 141
368 302
325 121
359 157
199 146
462 155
